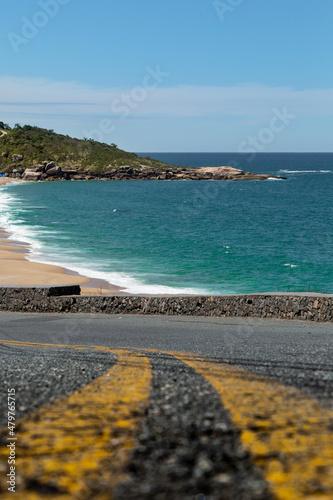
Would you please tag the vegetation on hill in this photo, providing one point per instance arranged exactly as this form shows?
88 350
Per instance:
37 145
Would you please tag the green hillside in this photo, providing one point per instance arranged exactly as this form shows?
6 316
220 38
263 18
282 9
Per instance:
37 145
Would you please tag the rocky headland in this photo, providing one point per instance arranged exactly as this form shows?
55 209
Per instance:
35 154
49 171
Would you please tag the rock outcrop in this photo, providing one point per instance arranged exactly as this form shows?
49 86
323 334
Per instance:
222 172
16 158
30 174
50 171
54 172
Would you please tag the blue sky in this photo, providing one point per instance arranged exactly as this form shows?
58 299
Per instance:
172 75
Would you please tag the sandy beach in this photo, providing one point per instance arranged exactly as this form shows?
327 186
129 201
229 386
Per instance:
15 269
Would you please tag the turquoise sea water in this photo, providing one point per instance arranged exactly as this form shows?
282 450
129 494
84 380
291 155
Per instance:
212 237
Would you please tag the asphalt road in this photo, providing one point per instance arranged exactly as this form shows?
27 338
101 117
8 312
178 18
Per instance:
215 408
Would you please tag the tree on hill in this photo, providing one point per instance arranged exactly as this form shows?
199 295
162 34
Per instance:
4 126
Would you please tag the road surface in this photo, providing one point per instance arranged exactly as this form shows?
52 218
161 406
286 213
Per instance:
141 407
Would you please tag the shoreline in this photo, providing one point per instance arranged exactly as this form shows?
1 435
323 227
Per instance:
52 172
93 282
16 269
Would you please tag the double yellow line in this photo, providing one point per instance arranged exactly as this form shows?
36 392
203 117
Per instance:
85 439
81 442
289 436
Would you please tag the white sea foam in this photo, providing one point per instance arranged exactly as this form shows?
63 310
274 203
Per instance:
305 171
37 253
5 200
13 226
129 283
21 233
31 236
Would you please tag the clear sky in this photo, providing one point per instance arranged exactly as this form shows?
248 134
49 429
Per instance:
172 75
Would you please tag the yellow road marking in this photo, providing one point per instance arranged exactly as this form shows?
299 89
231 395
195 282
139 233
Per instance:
82 442
19 343
288 435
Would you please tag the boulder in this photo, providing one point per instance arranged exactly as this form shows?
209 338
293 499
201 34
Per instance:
31 175
32 169
50 165
53 172
221 172
204 177
69 173
16 158
125 168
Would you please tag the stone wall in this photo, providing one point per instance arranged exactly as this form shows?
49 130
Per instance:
313 307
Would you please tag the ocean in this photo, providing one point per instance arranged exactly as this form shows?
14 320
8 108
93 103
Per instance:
183 237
